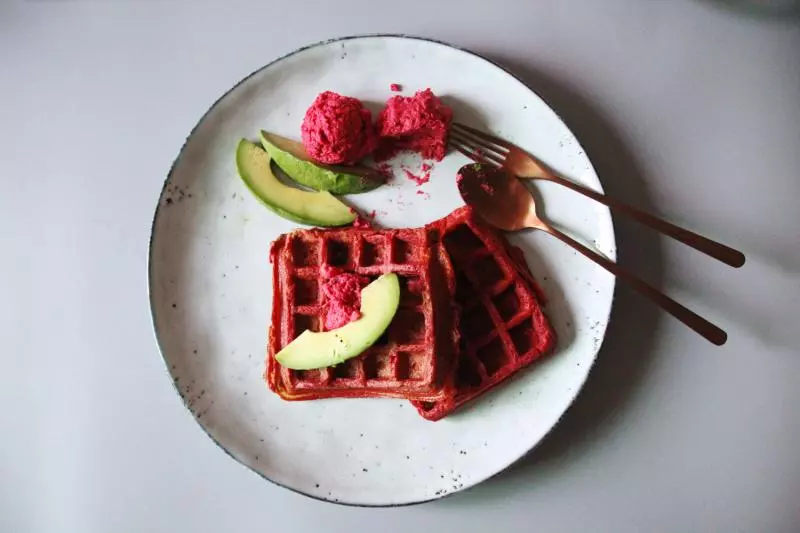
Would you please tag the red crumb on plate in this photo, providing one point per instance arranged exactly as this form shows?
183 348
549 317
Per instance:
362 223
420 179
395 87
418 123
341 292
338 130
385 170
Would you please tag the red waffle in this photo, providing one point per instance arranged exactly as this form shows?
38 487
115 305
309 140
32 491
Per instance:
502 326
413 359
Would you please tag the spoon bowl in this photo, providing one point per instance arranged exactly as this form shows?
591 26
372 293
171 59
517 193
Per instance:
501 199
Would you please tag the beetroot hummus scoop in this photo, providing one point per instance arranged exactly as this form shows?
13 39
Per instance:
418 123
337 130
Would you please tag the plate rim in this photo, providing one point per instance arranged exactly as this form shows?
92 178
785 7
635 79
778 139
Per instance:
150 262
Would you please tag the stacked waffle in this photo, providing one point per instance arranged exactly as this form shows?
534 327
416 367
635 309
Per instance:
470 312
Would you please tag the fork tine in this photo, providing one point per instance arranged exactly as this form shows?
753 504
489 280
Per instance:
485 136
478 158
483 147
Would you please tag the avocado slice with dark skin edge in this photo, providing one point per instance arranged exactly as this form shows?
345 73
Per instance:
306 207
295 162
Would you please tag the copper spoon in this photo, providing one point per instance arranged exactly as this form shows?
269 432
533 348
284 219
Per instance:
503 201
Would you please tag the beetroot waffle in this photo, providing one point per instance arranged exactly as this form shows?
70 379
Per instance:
413 359
502 326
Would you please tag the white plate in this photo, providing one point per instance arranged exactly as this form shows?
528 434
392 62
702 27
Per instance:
210 287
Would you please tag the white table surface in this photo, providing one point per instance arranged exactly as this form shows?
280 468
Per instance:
686 109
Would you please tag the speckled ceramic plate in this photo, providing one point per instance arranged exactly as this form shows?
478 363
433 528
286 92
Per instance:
211 296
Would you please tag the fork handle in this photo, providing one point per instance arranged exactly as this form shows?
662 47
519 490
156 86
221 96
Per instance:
717 250
699 324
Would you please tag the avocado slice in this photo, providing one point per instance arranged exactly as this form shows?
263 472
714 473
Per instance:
379 301
306 207
291 156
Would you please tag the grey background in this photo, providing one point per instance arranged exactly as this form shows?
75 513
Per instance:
688 109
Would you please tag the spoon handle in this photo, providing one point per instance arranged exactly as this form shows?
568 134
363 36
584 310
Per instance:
702 326
717 250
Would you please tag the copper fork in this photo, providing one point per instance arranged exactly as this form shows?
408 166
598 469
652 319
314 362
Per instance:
487 149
